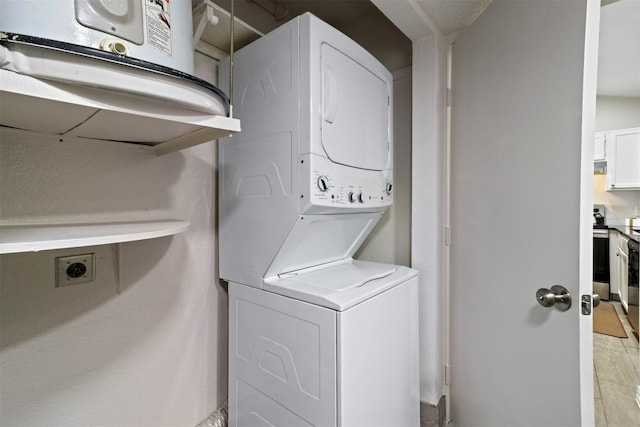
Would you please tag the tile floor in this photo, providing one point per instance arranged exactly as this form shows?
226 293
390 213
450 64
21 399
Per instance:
616 368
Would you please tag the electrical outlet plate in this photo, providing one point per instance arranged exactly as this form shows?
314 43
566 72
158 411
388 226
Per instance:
75 269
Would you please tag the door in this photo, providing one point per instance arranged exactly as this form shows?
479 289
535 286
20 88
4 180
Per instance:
521 202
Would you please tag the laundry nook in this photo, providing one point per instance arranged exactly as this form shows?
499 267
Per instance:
315 337
251 213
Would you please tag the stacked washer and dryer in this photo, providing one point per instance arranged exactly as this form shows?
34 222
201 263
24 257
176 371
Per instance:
315 337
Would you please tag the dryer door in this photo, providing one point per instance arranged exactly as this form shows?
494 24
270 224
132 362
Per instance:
356 112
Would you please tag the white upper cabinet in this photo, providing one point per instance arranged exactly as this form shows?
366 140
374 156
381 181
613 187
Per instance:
623 159
599 150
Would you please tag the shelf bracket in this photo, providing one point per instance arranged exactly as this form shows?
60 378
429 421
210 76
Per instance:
208 17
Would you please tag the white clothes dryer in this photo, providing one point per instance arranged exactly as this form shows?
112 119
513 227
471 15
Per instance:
311 172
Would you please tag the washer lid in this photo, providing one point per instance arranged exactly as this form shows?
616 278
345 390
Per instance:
341 285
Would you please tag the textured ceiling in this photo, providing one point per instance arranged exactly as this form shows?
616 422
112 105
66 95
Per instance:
618 71
449 16
452 16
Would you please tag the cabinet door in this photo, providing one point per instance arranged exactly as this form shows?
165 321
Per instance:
623 266
599 147
623 157
614 280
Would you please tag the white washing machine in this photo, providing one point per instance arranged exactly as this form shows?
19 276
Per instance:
332 346
315 338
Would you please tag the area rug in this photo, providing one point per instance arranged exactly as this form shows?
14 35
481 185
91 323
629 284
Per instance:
606 321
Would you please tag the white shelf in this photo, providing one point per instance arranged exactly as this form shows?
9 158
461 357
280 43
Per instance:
34 238
73 111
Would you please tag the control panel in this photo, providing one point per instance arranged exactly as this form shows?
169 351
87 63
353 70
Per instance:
332 185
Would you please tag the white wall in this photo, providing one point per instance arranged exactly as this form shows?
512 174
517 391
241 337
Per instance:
428 220
148 351
619 204
616 112
383 40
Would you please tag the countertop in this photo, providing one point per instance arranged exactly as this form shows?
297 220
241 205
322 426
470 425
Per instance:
627 231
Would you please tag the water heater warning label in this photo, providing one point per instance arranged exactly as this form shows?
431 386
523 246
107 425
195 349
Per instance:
158 24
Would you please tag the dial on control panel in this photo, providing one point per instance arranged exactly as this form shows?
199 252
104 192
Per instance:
355 198
323 183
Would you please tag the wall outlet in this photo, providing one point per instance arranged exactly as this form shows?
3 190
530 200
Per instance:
75 269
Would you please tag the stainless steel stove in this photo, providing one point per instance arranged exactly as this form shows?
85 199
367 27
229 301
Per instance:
601 270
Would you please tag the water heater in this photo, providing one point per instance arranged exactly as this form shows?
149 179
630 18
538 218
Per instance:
153 31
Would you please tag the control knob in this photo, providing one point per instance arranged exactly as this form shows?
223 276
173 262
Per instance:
352 197
388 188
360 198
323 183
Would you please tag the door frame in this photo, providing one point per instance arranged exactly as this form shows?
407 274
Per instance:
589 90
